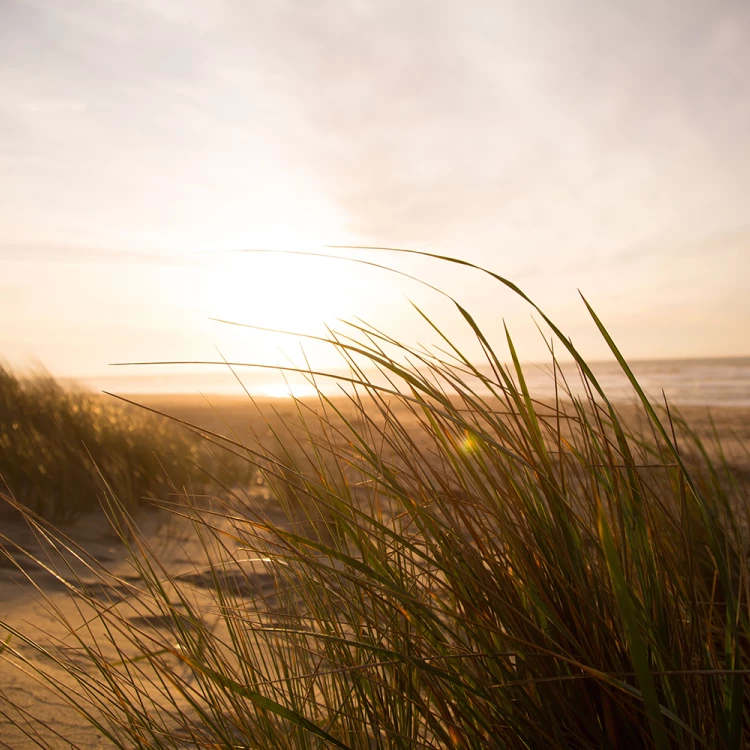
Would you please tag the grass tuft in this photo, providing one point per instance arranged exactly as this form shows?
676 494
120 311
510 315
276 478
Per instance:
446 562
61 449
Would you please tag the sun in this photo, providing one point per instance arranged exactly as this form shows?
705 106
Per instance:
285 281
286 286
283 291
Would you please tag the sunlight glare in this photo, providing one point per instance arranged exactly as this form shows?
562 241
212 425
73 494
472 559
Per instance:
284 291
288 390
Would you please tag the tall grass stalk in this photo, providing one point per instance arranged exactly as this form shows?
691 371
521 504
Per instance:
458 566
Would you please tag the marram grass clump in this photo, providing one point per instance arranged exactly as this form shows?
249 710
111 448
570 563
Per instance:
458 566
62 450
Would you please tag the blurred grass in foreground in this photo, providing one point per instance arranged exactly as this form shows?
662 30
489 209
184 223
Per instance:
62 449
463 569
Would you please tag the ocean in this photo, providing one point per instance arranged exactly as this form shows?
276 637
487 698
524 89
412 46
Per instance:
710 382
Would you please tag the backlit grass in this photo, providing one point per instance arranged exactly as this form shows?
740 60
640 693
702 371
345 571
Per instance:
60 449
458 566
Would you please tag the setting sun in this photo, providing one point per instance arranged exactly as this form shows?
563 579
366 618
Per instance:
281 291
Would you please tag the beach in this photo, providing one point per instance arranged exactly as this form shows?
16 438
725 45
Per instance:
30 714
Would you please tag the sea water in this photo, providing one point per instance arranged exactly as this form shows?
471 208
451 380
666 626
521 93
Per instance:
710 382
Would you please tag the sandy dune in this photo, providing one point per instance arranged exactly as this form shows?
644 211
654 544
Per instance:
110 576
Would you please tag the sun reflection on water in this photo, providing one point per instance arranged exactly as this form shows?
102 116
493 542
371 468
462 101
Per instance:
287 390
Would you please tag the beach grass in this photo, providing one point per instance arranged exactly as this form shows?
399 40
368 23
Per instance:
446 562
62 449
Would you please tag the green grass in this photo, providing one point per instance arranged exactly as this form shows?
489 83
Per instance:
60 449
460 566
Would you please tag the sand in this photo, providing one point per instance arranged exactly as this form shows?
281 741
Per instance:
105 571
29 609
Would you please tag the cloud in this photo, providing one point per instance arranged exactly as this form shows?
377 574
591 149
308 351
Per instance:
547 133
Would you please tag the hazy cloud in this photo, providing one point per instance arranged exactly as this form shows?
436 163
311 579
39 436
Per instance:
552 134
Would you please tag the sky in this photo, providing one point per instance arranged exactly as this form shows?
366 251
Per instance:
566 144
